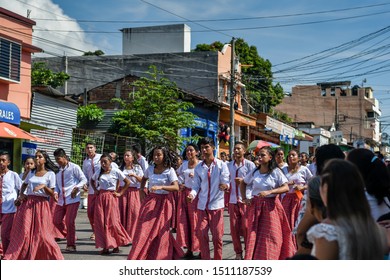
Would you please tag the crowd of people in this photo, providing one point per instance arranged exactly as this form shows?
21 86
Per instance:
281 204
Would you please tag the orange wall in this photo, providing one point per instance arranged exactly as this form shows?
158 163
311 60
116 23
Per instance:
18 28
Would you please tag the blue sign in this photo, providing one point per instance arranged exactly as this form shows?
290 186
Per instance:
9 113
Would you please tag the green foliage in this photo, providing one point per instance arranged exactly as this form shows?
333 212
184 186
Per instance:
89 114
283 117
257 75
155 112
42 76
97 53
216 46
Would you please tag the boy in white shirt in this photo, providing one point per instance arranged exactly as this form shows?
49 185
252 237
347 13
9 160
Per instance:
10 183
210 182
69 180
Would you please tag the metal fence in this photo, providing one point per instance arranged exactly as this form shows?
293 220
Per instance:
105 142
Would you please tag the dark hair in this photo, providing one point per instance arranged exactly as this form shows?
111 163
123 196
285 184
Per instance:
223 154
206 141
374 172
28 157
345 184
49 165
184 155
5 153
277 150
271 164
104 155
136 147
90 142
325 153
240 143
348 208
292 150
135 161
304 153
59 153
170 157
314 184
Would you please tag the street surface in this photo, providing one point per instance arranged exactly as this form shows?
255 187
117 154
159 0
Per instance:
86 248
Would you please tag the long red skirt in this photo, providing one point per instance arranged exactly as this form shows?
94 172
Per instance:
291 205
32 232
109 232
187 221
6 222
129 208
269 233
153 239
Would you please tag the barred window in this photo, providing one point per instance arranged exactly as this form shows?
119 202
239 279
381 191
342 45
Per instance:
10 55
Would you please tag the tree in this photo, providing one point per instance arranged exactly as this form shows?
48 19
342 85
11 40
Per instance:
97 53
43 76
256 75
155 112
89 115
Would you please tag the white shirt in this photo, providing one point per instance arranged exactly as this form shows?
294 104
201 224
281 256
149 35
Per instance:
67 179
206 184
186 175
143 162
313 168
265 182
301 177
32 181
11 183
109 181
137 170
166 178
239 171
90 167
377 210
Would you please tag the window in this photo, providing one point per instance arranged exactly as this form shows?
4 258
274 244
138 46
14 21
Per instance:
10 54
332 91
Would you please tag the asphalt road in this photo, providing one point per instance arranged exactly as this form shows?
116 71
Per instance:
86 248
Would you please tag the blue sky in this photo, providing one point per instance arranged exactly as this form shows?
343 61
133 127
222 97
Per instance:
351 36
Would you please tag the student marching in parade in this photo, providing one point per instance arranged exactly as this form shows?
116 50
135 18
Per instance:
238 169
10 184
90 165
153 239
32 235
109 232
187 217
269 233
69 181
130 202
210 183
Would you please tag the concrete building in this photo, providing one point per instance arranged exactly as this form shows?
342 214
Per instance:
203 74
15 84
174 38
354 111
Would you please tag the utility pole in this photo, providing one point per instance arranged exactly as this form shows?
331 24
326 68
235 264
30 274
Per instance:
336 121
232 95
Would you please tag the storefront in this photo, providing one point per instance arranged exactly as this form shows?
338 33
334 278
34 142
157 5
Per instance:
11 136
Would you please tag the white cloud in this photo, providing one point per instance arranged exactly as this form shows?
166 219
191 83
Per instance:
53 29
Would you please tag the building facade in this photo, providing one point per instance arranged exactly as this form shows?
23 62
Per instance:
353 111
15 83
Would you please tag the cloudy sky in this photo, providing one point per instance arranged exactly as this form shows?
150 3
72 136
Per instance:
307 41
